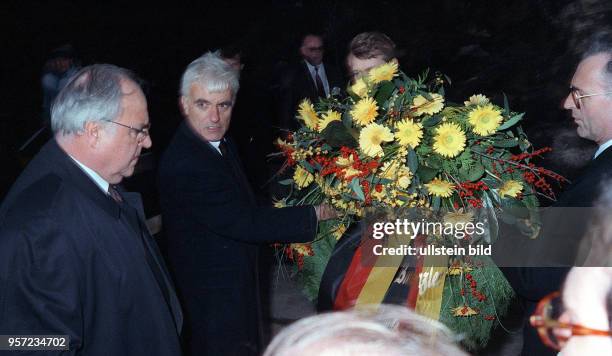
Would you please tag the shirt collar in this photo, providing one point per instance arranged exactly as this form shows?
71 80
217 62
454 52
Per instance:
100 182
602 148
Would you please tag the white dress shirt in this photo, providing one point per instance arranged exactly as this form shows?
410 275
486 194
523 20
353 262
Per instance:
602 148
100 182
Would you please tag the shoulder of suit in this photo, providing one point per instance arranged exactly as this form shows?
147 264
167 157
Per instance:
39 198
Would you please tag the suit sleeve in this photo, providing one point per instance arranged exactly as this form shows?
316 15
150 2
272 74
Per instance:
208 201
39 288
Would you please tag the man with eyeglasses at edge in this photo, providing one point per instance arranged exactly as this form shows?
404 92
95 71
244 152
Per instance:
590 102
76 258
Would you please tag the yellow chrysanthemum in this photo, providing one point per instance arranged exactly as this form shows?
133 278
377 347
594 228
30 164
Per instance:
328 117
304 249
485 119
281 203
302 177
397 172
477 99
464 311
440 188
360 88
409 133
308 115
511 188
372 137
458 218
423 106
339 231
449 140
365 111
383 72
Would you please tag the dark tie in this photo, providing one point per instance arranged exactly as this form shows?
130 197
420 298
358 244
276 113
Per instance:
319 82
112 191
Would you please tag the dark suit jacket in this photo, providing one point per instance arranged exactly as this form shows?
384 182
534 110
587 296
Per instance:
72 263
298 84
534 283
212 227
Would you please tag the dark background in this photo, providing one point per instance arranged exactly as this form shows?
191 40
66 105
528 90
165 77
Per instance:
524 48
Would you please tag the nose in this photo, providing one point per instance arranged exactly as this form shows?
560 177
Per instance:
215 115
147 142
568 103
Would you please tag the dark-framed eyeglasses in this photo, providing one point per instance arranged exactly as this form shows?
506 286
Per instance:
576 96
141 134
553 332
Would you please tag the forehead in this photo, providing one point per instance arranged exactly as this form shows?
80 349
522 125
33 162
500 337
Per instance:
199 92
357 65
590 71
312 41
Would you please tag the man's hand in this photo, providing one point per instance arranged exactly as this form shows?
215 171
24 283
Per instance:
325 212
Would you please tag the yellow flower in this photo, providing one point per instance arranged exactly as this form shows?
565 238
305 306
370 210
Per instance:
424 106
485 119
371 138
302 177
328 117
281 203
409 133
511 188
458 218
449 140
360 88
477 99
303 249
308 115
464 311
383 72
338 231
397 172
440 188
365 111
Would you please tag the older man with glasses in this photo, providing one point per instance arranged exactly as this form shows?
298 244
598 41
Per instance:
76 259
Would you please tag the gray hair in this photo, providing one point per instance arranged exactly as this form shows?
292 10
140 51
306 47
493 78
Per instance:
601 42
390 330
93 94
212 73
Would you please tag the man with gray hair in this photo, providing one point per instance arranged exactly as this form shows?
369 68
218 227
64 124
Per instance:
211 220
75 256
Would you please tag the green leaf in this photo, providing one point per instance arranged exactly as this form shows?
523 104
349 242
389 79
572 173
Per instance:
513 120
338 135
384 92
286 182
506 143
431 121
413 160
307 165
435 203
357 189
506 105
426 174
475 172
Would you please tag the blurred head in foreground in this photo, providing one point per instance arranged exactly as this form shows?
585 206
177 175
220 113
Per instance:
389 330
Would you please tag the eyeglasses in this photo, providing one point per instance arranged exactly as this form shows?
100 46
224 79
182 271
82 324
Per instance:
141 134
553 332
576 96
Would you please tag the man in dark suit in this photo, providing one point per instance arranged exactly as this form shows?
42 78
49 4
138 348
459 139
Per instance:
590 100
75 256
211 220
310 78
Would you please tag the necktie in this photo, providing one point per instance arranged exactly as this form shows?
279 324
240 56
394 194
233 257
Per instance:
112 191
319 83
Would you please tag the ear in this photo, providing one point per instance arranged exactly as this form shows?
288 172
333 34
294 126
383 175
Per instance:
184 105
92 131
